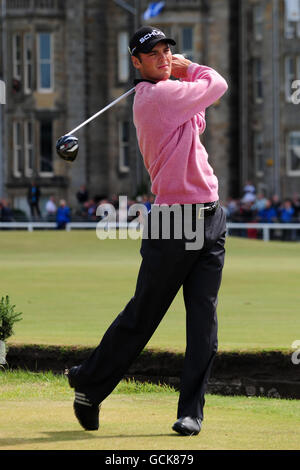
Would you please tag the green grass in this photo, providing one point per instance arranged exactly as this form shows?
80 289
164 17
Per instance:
25 385
36 411
70 286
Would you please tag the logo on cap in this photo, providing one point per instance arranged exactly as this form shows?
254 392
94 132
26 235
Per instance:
153 33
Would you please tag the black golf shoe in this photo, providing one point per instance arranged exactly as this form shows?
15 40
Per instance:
70 374
85 411
187 426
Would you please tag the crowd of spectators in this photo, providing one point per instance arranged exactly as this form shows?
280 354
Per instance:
257 208
87 207
84 210
252 207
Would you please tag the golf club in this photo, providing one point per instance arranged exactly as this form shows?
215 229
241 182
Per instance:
67 146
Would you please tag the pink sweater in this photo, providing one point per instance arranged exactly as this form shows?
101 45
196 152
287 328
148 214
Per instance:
169 116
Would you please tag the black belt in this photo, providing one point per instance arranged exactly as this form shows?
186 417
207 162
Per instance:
207 209
211 206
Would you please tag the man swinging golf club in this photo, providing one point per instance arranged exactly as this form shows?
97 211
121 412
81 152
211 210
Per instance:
169 115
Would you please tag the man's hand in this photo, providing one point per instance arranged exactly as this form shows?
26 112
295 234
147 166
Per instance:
179 66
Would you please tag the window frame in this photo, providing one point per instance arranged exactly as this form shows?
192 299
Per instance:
258 79
28 146
17 149
17 63
188 53
45 174
123 168
123 58
290 77
258 146
291 28
289 171
40 61
258 22
28 63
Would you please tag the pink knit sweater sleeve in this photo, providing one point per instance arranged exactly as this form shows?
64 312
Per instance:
182 100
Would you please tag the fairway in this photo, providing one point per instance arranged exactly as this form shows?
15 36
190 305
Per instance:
70 286
36 414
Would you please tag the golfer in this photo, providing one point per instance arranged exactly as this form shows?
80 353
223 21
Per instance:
169 116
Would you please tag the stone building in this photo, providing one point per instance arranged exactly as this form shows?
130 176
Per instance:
269 105
64 60
59 66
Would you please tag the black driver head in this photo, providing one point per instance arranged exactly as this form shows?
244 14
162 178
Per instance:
67 147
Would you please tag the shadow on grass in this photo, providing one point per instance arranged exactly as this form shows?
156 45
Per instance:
57 436
61 436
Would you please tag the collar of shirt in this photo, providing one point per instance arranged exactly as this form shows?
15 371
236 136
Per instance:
139 80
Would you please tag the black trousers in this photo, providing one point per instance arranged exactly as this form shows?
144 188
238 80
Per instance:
166 267
34 209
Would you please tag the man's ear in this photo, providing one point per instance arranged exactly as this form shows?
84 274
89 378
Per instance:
135 62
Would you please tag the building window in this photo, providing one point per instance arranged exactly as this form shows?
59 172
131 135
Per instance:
292 73
28 66
124 146
184 37
293 153
17 149
2 92
292 19
123 61
257 80
17 56
258 22
187 42
45 65
24 64
46 149
258 154
28 147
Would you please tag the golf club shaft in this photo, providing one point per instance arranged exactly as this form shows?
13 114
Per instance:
129 92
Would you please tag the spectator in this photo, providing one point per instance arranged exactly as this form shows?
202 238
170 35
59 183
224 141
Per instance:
231 208
248 198
296 207
146 202
33 197
267 215
276 203
82 195
51 208
249 188
260 202
6 214
92 208
63 215
115 201
286 214
249 192
247 213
